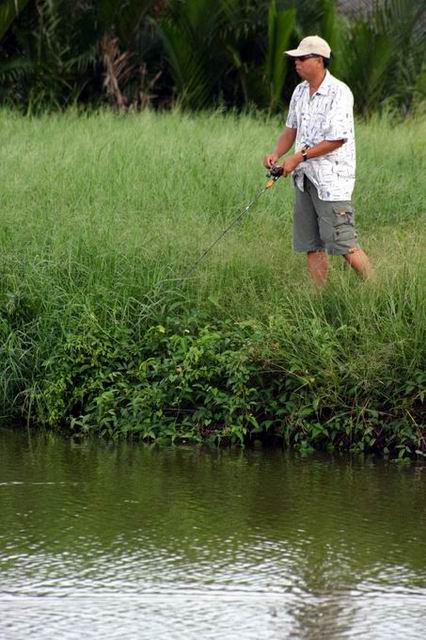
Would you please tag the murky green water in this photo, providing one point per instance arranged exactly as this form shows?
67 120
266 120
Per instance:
125 541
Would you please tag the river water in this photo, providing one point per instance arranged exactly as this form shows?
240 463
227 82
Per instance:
136 542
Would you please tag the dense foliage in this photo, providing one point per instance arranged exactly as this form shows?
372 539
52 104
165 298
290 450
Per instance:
203 53
231 381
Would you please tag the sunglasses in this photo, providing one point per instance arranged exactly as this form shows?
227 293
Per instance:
309 55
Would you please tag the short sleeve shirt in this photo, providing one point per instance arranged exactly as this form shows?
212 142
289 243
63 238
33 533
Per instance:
326 115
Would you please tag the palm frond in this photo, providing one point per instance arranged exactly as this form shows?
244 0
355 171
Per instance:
280 28
384 52
9 10
14 68
193 46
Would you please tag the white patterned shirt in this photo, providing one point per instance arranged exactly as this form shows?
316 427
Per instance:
327 115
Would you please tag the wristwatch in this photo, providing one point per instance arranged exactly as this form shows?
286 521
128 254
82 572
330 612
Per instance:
304 153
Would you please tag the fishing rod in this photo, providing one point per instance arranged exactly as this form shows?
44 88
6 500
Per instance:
275 172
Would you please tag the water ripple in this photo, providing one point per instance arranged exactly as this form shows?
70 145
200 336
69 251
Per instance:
188 543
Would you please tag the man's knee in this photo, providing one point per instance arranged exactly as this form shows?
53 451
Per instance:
352 252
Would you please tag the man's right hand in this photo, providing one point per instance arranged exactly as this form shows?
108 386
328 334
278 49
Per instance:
269 160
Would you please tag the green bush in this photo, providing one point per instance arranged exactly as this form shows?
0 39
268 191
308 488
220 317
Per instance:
228 381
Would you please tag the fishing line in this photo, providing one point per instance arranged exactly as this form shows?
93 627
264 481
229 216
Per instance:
273 174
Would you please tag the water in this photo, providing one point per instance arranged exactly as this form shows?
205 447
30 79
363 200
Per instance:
127 541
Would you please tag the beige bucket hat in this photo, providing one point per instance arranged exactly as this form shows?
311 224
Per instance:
309 45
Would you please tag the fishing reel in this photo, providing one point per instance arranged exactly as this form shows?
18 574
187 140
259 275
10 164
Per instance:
275 172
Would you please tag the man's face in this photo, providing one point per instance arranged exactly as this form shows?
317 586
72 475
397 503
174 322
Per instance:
308 66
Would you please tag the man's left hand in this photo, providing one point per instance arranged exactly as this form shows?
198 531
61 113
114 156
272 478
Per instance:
291 163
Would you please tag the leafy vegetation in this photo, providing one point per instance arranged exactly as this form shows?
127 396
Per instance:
231 381
103 331
203 53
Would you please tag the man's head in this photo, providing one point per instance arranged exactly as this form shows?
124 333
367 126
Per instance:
311 56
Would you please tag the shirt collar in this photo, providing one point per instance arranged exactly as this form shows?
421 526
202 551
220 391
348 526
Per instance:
324 86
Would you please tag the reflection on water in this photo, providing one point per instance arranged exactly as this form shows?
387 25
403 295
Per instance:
129 541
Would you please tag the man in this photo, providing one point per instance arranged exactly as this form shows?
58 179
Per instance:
320 121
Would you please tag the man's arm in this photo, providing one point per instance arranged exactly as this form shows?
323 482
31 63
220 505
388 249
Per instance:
320 149
284 143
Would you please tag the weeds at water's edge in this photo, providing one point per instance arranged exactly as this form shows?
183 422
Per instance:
226 382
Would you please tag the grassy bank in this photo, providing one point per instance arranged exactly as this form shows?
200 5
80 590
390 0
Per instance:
102 332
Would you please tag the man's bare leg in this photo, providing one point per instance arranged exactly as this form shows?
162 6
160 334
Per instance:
318 267
359 262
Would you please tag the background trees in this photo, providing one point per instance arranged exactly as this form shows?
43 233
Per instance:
203 53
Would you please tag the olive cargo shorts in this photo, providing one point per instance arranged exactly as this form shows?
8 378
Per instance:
320 224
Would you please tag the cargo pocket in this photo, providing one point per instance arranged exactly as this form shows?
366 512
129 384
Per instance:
344 230
344 215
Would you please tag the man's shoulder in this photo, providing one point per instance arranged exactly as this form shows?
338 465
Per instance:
338 87
300 89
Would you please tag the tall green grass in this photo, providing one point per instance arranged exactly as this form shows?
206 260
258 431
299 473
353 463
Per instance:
101 217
